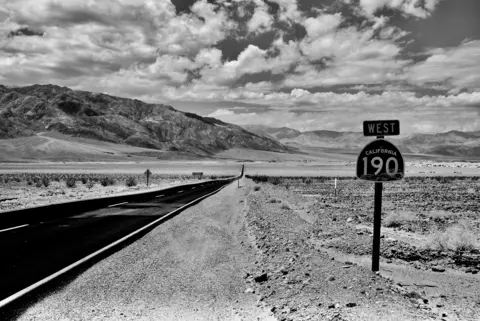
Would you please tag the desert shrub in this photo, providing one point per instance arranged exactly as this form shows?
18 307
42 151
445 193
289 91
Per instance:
84 180
259 178
17 179
104 181
274 200
56 178
457 238
440 216
213 177
71 182
285 207
275 180
90 184
308 181
131 181
256 188
397 219
38 184
45 181
107 181
29 182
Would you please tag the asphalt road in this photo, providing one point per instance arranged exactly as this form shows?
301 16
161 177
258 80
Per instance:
33 252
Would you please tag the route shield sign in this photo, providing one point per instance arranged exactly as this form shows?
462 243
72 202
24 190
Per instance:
380 161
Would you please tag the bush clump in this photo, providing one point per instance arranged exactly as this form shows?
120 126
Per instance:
107 181
458 238
71 182
131 181
397 219
440 216
275 181
285 207
256 188
46 181
90 184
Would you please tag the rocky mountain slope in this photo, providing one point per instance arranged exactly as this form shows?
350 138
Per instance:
26 111
452 143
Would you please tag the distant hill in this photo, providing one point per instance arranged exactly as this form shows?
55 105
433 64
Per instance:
275 133
452 143
27 111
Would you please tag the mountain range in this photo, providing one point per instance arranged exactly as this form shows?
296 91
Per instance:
452 143
39 111
31 110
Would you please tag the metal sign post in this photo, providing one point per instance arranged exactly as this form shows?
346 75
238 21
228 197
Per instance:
377 224
380 161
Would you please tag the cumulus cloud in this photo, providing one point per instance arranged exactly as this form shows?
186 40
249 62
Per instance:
289 10
261 20
345 56
322 24
416 8
457 66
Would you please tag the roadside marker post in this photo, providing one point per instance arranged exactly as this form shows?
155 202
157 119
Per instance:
147 173
335 189
379 161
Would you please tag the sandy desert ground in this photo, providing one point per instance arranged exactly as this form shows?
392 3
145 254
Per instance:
430 250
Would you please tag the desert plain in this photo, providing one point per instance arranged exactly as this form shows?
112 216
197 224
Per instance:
306 246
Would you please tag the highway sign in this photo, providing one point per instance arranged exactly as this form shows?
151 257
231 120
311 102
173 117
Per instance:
381 128
380 161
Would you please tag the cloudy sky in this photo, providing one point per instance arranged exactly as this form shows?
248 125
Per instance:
305 64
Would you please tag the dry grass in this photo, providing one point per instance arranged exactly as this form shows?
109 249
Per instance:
458 237
440 216
397 219
285 206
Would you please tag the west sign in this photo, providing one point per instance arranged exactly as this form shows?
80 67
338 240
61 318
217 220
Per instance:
381 127
380 161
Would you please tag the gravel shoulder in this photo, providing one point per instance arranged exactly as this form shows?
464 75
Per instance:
188 268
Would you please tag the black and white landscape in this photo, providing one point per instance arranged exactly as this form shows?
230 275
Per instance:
203 160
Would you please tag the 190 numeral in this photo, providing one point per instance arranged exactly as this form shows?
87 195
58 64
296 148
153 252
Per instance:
377 162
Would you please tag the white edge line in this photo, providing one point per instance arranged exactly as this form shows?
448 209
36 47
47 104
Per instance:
113 205
161 195
73 265
14 228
